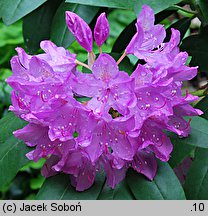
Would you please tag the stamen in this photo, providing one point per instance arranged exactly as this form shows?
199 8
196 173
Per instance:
44 153
91 180
121 132
43 97
162 105
46 166
187 92
188 124
121 58
162 141
106 149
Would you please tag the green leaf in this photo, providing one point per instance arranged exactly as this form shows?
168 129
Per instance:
180 152
41 18
124 38
165 185
124 4
135 5
198 136
182 25
157 6
14 10
1 6
36 183
203 105
5 73
10 34
195 46
12 151
120 192
196 184
203 5
5 93
34 165
59 31
59 187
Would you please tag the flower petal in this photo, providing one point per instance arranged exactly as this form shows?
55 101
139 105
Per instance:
145 163
105 68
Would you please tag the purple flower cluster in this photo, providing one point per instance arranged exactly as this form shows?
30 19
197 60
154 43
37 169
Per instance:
83 123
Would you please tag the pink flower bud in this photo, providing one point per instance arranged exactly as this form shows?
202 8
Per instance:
101 30
80 29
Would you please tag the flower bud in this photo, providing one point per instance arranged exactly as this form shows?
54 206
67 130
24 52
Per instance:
101 30
80 29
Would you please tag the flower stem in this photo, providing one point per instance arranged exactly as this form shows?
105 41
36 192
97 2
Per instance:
184 10
82 64
100 49
91 54
121 58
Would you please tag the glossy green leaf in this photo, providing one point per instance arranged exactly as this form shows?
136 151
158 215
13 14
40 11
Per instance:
12 151
1 6
157 6
135 5
203 105
59 187
59 31
41 18
124 4
203 5
180 152
14 10
195 46
198 136
120 192
124 38
196 184
165 185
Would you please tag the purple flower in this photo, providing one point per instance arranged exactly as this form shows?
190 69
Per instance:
107 86
38 80
148 35
84 123
44 146
81 169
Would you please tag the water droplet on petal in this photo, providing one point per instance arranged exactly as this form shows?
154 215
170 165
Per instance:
139 98
148 93
147 106
173 92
